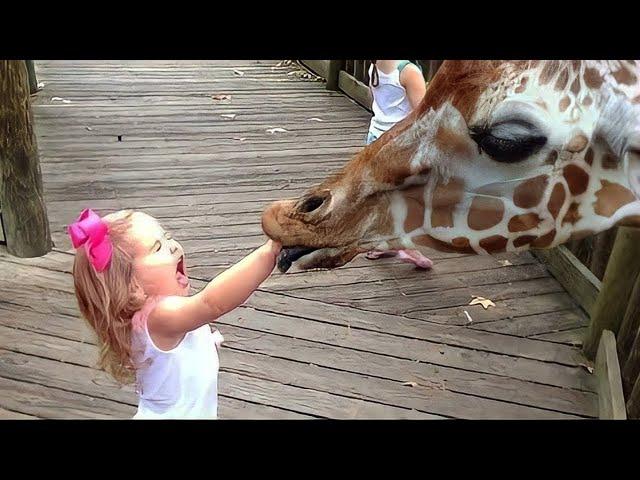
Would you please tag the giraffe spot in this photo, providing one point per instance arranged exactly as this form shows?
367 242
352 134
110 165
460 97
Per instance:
611 197
577 143
577 179
485 212
551 158
563 79
452 142
443 202
528 194
636 100
460 242
522 223
494 244
548 71
523 85
564 103
428 241
524 240
576 65
592 78
588 157
414 198
542 104
556 200
545 240
624 76
609 161
580 235
586 101
575 86
572 216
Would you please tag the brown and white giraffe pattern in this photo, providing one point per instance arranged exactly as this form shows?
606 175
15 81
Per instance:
571 188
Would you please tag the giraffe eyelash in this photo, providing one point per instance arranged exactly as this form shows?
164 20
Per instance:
506 150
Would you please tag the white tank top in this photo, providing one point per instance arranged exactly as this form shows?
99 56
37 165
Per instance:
390 101
181 383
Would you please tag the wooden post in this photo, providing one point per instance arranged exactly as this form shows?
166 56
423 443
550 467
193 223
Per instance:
630 324
602 244
633 403
631 367
334 74
33 80
610 397
617 284
24 213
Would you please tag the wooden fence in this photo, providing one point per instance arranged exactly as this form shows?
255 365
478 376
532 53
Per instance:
352 76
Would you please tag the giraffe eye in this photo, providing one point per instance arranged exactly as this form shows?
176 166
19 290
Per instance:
507 146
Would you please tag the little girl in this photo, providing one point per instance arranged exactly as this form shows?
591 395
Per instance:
397 87
132 287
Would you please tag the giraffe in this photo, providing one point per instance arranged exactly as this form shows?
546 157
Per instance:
500 156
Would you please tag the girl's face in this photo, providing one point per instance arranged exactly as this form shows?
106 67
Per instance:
159 263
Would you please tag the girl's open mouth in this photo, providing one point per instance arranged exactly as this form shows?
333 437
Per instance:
181 275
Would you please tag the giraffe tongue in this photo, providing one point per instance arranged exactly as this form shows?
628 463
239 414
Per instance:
289 255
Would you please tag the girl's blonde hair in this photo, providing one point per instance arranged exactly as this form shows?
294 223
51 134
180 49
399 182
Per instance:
108 300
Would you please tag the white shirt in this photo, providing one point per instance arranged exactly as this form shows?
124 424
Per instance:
181 383
390 101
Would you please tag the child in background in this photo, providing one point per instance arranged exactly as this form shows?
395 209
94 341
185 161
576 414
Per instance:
132 287
397 87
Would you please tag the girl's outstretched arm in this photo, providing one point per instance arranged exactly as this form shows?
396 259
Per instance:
175 316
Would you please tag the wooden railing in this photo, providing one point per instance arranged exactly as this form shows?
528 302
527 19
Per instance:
352 76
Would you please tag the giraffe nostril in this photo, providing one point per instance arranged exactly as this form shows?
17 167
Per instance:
311 204
173 250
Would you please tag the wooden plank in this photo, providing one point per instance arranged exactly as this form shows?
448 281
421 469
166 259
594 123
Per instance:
573 336
631 366
319 376
355 89
45 402
319 67
630 324
577 279
622 270
9 415
633 404
611 404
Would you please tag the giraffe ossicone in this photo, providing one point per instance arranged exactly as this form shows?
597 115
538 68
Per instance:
499 157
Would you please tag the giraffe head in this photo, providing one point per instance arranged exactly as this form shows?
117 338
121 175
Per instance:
499 156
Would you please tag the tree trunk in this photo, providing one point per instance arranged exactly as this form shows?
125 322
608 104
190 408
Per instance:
24 214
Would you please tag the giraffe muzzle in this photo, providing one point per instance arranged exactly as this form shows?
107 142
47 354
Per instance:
289 255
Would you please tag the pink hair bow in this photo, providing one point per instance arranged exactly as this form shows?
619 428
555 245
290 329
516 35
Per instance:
92 232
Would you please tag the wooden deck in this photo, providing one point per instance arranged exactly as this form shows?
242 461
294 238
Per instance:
371 340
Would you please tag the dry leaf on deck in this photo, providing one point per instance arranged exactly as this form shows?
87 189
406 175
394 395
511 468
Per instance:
240 139
221 96
505 263
315 119
468 316
410 384
40 84
89 128
60 99
485 302
238 72
230 116
276 130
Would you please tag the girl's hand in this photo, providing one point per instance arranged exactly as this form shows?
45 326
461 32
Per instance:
273 247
